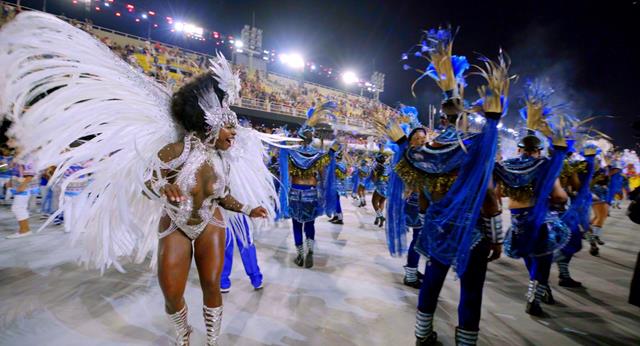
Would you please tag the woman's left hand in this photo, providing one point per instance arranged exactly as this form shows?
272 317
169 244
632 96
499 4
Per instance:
258 212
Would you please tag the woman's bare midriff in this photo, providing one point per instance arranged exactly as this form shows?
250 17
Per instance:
304 181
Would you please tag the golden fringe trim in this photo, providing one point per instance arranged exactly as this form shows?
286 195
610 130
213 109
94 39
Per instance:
521 194
311 172
414 179
340 175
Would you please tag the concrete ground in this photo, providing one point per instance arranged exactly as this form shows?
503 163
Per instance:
353 296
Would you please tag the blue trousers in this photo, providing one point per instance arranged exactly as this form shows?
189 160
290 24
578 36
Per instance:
309 228
539 268
249 260
338 206
413 258
471 284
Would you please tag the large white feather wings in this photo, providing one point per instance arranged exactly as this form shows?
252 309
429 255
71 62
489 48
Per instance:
87 92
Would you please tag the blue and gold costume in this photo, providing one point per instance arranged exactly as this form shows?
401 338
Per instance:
304 203
576 217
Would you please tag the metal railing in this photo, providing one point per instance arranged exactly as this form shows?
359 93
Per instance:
297 112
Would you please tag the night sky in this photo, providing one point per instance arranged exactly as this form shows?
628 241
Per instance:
583 48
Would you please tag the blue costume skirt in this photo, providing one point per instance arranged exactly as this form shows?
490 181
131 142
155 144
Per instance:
519 242
600 193
303 203
576 222
411 211
381 188
341 186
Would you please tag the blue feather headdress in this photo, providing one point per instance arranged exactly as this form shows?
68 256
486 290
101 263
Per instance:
446 69
314 115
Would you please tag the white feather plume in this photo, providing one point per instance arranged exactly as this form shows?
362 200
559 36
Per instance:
228 81
88 91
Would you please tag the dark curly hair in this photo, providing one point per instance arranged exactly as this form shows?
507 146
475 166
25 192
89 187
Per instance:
184 103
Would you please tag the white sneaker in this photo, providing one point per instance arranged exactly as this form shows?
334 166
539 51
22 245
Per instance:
19 235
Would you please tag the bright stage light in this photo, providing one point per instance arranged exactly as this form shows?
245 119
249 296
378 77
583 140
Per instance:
293 60
238 44
349 77
144 16
193 30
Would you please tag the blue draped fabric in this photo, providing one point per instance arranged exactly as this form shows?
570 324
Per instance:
396 230
543 188
450 230
285 185
616 183
341 184
331 186
304 157
520 171
577 216
355 178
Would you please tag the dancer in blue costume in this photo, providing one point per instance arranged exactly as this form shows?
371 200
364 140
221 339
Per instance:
616 184
453 174
342 178
379 178
530 181
413 217
361 176
248 255
307 190
575 178
600 206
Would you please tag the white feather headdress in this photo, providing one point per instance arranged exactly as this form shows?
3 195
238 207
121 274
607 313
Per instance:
218 114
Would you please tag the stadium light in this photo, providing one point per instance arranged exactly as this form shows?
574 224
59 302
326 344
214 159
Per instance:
349 77
239 44
178 26
293 60
144 16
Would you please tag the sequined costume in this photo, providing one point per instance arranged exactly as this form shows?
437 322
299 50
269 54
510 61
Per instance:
303 202
576 216
433 169
380 178
600 186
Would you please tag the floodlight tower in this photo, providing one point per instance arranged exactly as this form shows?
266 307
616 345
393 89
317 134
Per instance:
248 51
377 79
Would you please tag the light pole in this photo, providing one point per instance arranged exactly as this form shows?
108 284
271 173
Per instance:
377 79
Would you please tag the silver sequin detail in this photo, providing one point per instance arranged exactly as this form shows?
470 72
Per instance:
197 154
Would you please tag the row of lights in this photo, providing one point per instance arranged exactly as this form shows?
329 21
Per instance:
292 60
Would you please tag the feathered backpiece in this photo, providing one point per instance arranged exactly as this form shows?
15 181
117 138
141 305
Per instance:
590 149
315 114
411 113
59 85
494 95
550 120
436 46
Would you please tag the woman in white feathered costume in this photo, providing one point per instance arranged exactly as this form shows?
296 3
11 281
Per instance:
157 159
